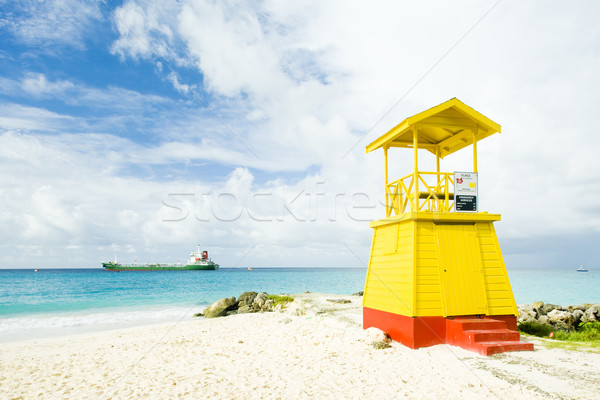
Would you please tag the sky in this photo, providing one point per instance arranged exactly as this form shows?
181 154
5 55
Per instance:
142 128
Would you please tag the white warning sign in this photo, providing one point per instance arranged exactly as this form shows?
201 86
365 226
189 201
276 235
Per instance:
465 191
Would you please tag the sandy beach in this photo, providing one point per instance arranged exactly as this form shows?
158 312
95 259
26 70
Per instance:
314 350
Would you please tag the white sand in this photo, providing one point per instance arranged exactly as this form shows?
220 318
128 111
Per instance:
323 354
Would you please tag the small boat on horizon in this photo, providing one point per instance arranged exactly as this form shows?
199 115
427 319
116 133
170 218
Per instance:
581 269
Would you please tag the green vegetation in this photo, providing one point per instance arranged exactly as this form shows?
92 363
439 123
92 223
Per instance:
535 329
589 347
587 332
280 299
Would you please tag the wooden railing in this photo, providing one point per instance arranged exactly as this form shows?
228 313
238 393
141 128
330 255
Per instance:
431 191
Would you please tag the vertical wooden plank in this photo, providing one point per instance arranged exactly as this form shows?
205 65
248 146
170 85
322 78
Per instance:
441 252
480 294
415 261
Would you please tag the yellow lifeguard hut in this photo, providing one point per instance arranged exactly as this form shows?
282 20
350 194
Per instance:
436 273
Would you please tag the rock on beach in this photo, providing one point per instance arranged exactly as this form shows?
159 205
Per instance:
220 307
247 302
559 317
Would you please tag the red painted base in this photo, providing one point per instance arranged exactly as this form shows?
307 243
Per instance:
486 335
412 332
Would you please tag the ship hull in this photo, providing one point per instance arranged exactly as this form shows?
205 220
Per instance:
190 267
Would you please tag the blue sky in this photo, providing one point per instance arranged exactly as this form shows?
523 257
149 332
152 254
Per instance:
144 127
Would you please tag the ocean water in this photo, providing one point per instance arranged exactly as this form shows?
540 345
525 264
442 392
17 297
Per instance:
63 301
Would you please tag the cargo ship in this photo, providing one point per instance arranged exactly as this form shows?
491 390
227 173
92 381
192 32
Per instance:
198 261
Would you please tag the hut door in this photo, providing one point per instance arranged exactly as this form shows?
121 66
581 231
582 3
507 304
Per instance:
459 260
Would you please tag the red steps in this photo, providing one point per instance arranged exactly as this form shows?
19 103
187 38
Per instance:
485 336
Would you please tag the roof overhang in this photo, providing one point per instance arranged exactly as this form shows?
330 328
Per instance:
442 130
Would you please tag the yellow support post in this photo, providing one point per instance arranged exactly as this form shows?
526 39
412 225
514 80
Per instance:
416 166
474 151
437 164
446 194
387 189
438 177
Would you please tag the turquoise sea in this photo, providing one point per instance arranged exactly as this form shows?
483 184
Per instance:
63 301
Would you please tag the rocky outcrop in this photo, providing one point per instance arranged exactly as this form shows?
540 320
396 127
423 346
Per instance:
592 314
247 302
259 301
560 319
565 318
246 299
220 308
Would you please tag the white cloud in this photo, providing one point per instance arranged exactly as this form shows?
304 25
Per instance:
301 83
57 22
227 42
527 70
68 191
146 31
17 117
37 85
180 87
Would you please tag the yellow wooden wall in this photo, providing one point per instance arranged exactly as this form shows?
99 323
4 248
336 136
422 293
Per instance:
390 277
429 294
405 273
499 294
